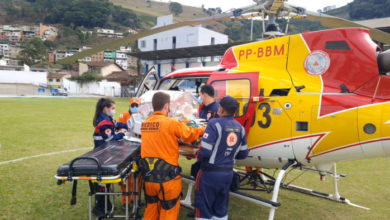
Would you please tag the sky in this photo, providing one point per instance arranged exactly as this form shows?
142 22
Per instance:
311 5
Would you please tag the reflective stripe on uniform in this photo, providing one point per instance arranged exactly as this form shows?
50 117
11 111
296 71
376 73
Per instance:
206 146
243 147
219 218
215 150
98 138
110 138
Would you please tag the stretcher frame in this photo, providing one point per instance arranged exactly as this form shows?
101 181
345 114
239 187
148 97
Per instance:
122 178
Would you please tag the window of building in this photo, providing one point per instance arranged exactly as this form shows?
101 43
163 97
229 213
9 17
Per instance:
154 44
143 44
57 80
212 41
174 42
50 80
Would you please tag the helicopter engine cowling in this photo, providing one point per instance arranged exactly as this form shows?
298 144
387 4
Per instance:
384 62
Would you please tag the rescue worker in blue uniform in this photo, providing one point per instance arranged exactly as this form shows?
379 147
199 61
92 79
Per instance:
209 108
223 142
105 127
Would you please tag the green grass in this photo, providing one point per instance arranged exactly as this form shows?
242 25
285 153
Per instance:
28 189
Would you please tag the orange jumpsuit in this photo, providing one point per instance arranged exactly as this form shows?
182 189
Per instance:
159 139
124 117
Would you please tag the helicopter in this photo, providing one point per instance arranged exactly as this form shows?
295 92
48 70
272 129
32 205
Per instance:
307 101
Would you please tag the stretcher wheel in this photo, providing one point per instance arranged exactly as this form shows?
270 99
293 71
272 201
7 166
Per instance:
60 182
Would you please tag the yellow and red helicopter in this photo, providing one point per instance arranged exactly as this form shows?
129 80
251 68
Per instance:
307 101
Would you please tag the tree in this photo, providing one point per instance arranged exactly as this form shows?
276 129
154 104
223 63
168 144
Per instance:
87 78
175 8
34 51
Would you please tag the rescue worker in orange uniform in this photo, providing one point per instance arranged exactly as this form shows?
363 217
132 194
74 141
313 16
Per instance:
123 118
133 108
160 155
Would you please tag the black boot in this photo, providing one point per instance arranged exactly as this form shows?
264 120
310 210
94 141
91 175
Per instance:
99 210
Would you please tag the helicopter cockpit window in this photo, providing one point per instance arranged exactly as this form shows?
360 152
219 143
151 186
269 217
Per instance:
166 84
238 88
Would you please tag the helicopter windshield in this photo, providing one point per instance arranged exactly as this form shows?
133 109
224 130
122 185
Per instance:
187 84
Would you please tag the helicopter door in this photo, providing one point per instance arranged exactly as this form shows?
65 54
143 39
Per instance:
150 82
243 87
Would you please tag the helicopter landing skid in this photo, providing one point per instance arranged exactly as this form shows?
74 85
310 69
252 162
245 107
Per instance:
334 197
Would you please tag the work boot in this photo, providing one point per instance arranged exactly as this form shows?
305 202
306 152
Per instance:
98 210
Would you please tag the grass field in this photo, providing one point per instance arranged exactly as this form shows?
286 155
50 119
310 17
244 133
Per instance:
28 189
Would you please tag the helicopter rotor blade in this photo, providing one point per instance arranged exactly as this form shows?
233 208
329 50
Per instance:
335 22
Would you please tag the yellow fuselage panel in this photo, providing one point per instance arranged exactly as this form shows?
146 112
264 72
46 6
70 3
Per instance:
280 64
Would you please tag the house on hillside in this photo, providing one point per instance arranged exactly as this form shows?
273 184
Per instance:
108 33
47 32
102 67
56 81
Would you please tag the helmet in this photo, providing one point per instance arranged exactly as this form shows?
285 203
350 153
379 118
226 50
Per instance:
134 100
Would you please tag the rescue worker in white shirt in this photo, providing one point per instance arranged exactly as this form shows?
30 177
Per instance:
223 142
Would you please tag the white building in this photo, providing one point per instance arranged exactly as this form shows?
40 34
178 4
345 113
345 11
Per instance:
3 47
105 88
23 83
108 33
329 8
188 36
121 59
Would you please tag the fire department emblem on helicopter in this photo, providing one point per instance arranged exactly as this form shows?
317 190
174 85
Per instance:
317 63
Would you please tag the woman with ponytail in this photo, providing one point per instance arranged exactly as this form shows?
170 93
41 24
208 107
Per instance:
104 123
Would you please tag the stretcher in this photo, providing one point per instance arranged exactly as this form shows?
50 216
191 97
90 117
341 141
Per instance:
113 162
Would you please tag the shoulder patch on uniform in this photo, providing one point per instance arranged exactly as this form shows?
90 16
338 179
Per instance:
205 135
108 132
231 139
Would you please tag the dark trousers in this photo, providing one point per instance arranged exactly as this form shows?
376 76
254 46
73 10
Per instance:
212 194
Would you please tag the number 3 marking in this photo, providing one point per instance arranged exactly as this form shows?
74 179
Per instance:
265 115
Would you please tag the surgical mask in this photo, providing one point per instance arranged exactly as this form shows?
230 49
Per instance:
112 112
200 100
134 109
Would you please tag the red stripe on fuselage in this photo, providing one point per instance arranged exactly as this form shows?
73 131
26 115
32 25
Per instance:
288 140
352 145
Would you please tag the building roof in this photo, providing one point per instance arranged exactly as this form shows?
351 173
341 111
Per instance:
123 77
187 52
376 23
56 76
72 73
